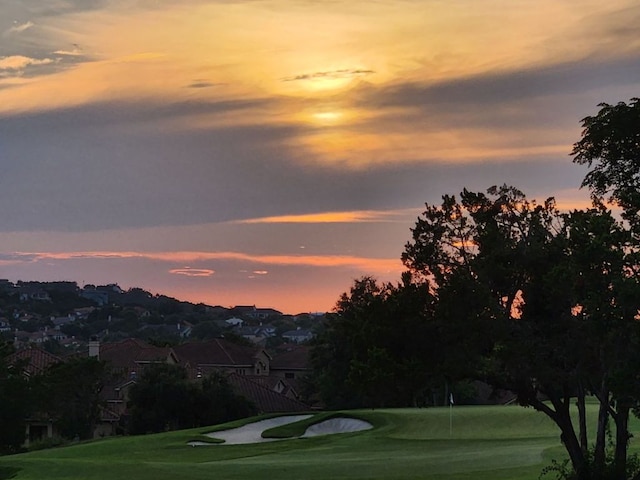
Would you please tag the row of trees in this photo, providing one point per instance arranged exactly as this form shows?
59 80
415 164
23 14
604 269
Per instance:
68 393
499 288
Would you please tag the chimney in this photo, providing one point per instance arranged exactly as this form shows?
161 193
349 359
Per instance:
94 348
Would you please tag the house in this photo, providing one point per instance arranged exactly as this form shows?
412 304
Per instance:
254 313
300 335
247 369
127 359
100 297
253 334
59 322
30 292
5 326
234 322
222 355
291 362
34 361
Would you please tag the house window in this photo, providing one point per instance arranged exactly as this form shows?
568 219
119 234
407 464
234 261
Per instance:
289 375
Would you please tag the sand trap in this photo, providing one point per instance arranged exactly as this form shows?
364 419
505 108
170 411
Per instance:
337 425
252 432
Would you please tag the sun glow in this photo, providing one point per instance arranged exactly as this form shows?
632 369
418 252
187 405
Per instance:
328 117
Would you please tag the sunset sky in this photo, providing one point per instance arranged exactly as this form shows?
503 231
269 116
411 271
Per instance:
270 152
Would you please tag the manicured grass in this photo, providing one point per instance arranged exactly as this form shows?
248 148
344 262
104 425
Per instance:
492 443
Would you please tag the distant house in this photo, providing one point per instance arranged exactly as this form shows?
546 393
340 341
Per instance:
30 292
253 334
300 335
100 297
5 326
234 322
254 313
59 322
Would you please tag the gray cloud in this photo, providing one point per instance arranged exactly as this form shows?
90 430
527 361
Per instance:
507 87
203 84
58 177
343 73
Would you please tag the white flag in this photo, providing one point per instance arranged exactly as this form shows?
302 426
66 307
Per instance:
451 399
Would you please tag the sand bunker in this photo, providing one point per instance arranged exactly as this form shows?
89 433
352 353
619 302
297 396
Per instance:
252 432
337 425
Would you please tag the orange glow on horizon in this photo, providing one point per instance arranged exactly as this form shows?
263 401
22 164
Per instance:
384 265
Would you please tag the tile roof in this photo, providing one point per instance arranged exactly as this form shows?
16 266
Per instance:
215 352
295 358
265 399
37 359
131 352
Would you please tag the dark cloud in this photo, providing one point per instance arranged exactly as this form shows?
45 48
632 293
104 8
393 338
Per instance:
203 84
491 89
344 73
101 114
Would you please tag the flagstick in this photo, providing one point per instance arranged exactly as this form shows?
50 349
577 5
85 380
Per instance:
450 414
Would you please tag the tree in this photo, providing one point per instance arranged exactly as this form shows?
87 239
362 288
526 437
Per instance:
610 144
379 336
549 301
165 399
69 393
15 403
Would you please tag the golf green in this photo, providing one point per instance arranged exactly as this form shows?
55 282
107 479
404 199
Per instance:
488 442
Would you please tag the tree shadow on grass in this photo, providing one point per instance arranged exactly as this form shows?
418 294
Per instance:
8 472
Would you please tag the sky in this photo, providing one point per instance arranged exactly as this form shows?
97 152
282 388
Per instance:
270 152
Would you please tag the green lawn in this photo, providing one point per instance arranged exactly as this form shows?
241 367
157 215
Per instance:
490 443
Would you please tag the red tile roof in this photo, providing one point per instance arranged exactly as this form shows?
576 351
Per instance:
265 399
129 353
218 352
296 358
37 360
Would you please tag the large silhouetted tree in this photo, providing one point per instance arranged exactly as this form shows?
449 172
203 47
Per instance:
550 302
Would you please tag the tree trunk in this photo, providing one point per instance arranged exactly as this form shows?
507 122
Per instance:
601 433
562 418
621 418
582 419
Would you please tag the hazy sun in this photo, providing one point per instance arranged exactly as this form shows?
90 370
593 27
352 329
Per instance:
328 117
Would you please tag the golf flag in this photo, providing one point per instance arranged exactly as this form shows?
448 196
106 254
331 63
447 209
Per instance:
451 399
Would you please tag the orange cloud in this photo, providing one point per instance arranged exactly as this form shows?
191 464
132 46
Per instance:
372 265
192 272
356 216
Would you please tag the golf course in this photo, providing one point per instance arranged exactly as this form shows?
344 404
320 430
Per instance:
479 442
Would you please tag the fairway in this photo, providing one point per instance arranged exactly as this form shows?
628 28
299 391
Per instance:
493 443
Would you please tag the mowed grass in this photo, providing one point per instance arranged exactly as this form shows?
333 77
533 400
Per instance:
493 443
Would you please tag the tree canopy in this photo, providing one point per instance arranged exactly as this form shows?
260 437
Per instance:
165 399
610 147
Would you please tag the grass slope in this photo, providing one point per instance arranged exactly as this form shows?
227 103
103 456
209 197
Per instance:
491 443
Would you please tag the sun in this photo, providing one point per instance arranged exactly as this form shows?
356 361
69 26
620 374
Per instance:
328 117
